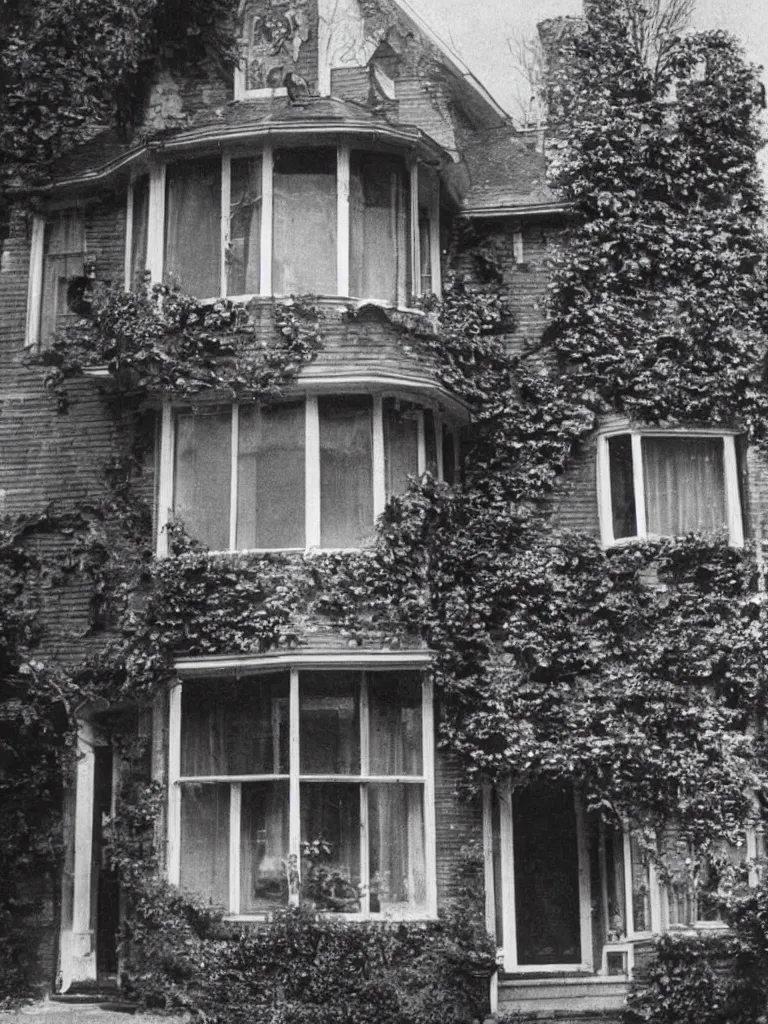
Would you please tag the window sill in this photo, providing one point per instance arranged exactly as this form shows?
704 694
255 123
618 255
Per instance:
266 917
623 542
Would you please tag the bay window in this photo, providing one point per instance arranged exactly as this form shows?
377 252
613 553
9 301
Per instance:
324 773
655 483
315 471
286 220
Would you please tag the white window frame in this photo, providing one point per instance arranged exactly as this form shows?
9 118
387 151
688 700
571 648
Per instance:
156 224
508 952
367 664
34 319
605 510
165 494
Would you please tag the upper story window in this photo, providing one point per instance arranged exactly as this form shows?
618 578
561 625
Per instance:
313 472
57 258
311 773
326 220
655 483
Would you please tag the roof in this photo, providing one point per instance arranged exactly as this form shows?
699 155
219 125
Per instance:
104 154
503 175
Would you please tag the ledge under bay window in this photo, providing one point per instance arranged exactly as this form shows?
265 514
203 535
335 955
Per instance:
313 472
333 221
661 483
281 777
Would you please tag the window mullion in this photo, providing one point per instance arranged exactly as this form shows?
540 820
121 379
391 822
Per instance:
226 196
267 207
294 827
428 755
732 497
415 238
379 470
127 270
165 494
630 907
235 810
233 481
421 444
156 223
312 472
342 219
638 481
174 790
434 239
604 498
35 288
365 767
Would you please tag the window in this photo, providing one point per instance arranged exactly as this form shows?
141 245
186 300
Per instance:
328 772
57 255
696 878
312 472
285 221
661 484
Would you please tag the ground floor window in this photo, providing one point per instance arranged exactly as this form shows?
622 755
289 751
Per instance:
310 785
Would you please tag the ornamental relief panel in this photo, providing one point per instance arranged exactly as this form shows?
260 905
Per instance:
274 33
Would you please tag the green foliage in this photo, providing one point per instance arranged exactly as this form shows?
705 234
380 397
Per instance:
162 341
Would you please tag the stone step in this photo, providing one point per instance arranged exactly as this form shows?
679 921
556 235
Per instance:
564 998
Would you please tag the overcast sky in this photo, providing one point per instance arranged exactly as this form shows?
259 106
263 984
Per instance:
478 29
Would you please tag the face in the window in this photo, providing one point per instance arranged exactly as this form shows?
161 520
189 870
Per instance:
304 473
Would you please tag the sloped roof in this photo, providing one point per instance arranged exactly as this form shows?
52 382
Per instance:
505 175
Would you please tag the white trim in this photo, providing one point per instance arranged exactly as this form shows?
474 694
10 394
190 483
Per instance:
488 877
174 792
507 894
342 218
428 767
234 454
415 235
225 665
517 246
235 812
156 223
421 443
129 200
732 494
226 204
165 483
312 472
35 284
365 772
585 887
294 785
378 458
267 217
434 240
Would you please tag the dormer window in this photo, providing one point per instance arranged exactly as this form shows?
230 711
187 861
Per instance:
656 483
314 472
329 220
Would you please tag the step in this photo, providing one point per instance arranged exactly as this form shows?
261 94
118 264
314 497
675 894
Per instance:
565 998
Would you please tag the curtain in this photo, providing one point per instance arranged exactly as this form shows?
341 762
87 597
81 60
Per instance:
193 227
379 230
263 846
244 257
331 812
401 447
346 472
139 231
304 222
270 495
395 724
205 842
397 857
202 474
64 256
329 730
684 485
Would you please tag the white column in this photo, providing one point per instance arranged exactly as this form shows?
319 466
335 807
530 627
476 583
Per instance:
379 482
342 220
585 886
638 482
234 441
156 223
79 947
165 488
415 236
732 496
294 788
506 838
174 791
127 270
434 240
235 807
428 753
35 286
488 879
365 770
312 472
267 205
226 194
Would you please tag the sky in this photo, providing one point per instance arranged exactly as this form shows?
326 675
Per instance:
478 31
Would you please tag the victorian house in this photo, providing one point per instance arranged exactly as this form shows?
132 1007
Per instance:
338 162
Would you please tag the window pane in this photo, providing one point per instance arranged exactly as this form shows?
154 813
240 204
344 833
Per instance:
202 475
139 230
244 256
397 860
64 255
724 866
330 838
205 842
622 486
641 888
304 232
395 723
193 227
684 485
615 884
430 440
401 446
263 846
379 208
235 728
346 474
330 723
449 456
425 252
270 496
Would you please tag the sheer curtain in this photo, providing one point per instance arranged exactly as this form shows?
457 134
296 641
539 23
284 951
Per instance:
205 841
244 257
263 846
401 447
193 227
684 485
304 231
346 471
139 231
379 237
202 474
